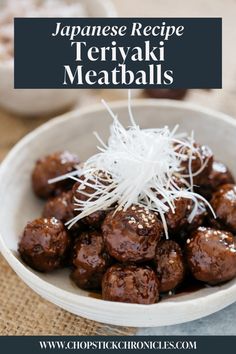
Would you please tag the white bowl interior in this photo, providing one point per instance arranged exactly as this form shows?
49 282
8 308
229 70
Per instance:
73 131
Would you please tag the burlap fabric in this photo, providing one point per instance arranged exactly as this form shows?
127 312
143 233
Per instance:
22 312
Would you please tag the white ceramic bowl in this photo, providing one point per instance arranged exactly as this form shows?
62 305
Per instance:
44 101
73 131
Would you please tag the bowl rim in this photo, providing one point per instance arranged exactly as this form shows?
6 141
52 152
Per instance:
90 303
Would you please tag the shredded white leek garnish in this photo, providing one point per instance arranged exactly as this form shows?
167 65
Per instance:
140 166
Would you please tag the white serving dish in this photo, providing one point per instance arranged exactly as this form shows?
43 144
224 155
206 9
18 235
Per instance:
31 102
73 131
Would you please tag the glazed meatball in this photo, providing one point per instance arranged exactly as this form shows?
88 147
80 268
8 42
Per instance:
224 204
90 260
204 190
130 283
211 255
44 244
173 94
201 165
51 166
82 192
176 220
61 207
219 175
132 235
85 279
169 265
198 218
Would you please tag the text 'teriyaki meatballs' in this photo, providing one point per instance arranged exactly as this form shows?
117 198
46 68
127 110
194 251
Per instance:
211 255
132 235
90 260
224 204
131 284
169 265
51 166
44 244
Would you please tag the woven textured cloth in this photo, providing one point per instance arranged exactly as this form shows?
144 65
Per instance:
22 312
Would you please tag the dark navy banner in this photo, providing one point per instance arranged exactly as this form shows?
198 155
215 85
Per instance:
111 344
118 52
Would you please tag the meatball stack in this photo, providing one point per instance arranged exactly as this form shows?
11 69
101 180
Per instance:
124 253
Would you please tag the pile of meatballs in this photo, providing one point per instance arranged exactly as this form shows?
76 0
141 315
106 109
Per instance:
125 255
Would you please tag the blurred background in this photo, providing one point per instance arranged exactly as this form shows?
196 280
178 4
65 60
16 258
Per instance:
23 110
